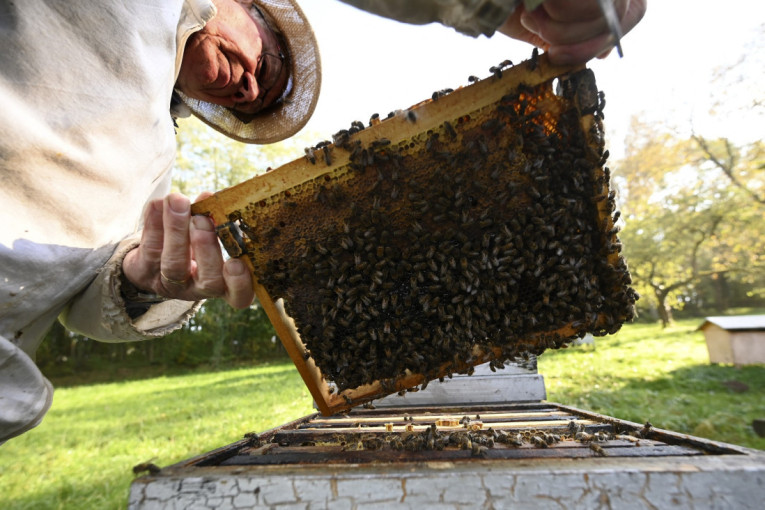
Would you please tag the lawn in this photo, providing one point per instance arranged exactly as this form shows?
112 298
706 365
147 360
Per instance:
644 373
82 454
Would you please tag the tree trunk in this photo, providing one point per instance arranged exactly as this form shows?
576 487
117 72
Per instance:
663 309
722 292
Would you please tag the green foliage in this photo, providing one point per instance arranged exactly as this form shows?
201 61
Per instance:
220 334
217 335
209 161
692 215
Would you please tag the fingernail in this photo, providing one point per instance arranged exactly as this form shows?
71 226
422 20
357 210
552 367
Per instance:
235 267
202 223
529 23
178 203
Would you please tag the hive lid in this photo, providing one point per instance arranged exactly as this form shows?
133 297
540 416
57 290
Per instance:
737 322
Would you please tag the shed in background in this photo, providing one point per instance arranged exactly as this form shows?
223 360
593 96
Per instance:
738 339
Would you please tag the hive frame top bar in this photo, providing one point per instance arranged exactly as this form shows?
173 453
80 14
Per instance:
429 114
403 125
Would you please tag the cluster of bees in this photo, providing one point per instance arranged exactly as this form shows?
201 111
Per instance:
486 234
479 441
430 439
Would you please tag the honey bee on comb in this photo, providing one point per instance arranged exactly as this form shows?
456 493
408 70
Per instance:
441 238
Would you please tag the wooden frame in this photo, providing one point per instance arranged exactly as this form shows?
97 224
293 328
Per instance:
429 115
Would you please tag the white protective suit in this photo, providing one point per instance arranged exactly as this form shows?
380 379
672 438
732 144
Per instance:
86 139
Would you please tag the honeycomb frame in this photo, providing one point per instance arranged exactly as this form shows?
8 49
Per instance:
253 219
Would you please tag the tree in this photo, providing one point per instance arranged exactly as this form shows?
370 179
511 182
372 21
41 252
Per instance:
739 103
686 218
694 204
744 167
209 161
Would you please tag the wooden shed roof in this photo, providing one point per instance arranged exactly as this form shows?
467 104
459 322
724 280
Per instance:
737 322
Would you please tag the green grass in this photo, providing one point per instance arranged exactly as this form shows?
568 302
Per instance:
82 454
663 376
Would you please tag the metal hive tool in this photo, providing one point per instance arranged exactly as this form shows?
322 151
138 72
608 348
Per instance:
475 226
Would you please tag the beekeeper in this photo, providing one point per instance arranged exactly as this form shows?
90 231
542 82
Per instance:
86 148
89 232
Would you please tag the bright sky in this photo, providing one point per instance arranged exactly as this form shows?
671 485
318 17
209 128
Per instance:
375 65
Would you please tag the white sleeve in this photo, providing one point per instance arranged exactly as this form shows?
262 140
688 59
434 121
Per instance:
99 311
470 17
25 394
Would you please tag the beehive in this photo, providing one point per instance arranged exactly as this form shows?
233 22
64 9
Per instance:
475 226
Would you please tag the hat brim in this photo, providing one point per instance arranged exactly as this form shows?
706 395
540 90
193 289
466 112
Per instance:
292 113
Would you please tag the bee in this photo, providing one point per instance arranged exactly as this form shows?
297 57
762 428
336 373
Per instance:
601 103
603 158
491 125
144 467
539 441
310 156
478 450
449 129
341 138
631 439
533 62
411 116
472 79
482 145
597 449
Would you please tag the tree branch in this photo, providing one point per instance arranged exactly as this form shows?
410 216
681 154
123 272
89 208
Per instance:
726 166
703 237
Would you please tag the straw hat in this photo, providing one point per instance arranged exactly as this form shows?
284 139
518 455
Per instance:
288 117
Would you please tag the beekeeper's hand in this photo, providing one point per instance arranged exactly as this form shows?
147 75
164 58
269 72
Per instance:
571 31
179 257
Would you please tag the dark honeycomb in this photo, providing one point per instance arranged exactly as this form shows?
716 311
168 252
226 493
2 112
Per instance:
489 236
